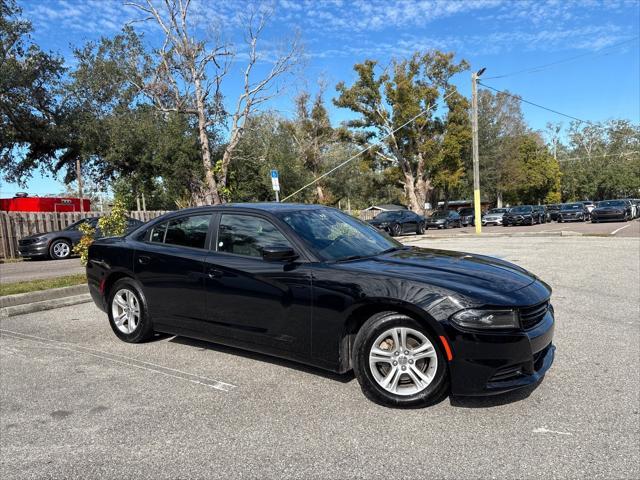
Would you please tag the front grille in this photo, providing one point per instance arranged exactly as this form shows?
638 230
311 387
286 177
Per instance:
26 241
531 316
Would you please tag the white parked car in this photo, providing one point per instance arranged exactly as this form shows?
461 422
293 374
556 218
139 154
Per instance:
494 216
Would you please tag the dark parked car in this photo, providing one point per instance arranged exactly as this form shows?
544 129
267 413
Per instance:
467 216
573 212
443 219
521 215
315 285
553 211
59 245
540 214
612 210
399 221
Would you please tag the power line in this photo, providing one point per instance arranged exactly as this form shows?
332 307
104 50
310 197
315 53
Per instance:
379 142
542 67
535 104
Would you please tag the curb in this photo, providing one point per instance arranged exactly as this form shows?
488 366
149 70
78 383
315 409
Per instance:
39 301
42 295
44 305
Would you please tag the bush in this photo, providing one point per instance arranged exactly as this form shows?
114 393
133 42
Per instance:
112 225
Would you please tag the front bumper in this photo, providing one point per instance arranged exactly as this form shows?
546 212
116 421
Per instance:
492 221
519 220
571 218
603 217
434 224
492 363
38 249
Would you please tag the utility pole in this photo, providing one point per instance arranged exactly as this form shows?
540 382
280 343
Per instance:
79 177
477 213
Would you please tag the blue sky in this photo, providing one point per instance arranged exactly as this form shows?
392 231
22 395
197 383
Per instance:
504 36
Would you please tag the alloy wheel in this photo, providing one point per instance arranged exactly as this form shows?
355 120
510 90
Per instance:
61 249
125 310
403 361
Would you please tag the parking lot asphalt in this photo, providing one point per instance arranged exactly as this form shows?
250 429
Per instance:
618 229
36 269
76 402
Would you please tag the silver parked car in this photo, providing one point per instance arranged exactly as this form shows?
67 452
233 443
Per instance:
494 216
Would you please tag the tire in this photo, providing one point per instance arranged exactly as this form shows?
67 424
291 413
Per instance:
420 228
60 249
134 328
395 229
431 370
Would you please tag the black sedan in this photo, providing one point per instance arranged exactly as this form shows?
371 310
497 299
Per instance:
399 221
573 212
522 215
467 216
315 285
444 219
59 245
612 210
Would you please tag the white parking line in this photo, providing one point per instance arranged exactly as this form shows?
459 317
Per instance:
618 229
131 362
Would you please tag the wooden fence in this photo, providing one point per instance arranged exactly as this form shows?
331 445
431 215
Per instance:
16 225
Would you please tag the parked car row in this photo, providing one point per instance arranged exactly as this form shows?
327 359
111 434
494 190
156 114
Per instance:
59 245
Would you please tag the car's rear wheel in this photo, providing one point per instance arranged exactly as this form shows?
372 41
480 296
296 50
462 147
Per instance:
60 249
420 228
398 363
127 312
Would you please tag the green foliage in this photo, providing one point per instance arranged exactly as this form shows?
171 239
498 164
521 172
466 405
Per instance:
426 148
82 247
115 223
539 175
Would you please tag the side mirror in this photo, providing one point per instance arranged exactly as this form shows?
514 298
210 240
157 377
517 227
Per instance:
278 254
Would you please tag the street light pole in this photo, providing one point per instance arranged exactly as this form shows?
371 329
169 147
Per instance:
474 144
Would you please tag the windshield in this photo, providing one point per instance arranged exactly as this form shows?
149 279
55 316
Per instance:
521 209
334 235
440 214
76 225
497 210
572 206
387 216
466 211
612 203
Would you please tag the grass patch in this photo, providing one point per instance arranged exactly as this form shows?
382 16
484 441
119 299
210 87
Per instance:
42 284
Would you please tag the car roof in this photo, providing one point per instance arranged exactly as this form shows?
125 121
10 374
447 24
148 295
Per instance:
261 206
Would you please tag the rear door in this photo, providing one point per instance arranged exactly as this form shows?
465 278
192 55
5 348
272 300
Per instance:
253 301
410 221
169 263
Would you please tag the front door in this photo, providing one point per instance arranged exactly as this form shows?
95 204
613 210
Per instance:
251 300
169 264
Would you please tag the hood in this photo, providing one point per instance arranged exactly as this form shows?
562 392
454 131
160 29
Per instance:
469 274
38 235
571 211
608 209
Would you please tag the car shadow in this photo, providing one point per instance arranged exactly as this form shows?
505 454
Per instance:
342 378
493 400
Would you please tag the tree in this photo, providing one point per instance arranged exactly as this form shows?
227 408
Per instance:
313 135
538 178
388 101
186 77
501 126
30 112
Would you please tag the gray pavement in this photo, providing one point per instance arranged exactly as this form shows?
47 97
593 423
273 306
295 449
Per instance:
37 269
77 403
618 229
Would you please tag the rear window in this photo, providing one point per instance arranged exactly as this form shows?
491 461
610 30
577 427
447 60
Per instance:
184 231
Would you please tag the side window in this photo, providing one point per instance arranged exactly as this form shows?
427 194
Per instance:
247 235
188 231
157 233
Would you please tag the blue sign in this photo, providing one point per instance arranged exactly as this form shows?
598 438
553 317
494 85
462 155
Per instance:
274 173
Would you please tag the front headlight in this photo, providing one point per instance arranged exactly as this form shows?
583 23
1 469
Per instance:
39 239
475 318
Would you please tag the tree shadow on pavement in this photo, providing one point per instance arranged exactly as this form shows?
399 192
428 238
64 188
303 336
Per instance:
342 378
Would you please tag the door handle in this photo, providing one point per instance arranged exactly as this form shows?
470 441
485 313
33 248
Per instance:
214 273
144 260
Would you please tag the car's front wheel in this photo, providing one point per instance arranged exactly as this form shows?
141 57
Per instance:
398 363
60 249
420 228
127 312
395 230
